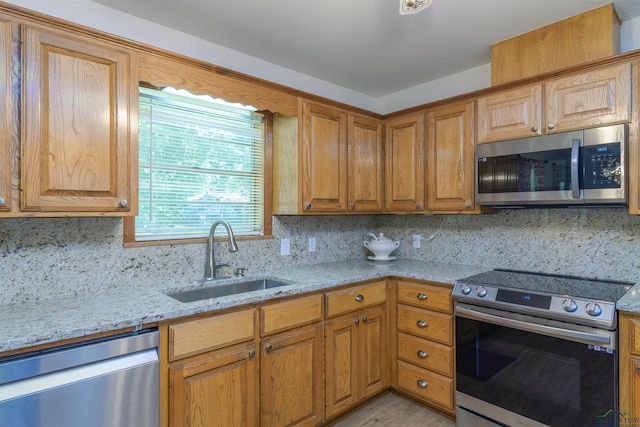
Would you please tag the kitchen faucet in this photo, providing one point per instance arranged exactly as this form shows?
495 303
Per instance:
210 266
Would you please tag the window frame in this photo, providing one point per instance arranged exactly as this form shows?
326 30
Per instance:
129 222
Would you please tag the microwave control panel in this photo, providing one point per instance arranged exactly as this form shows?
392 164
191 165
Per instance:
602 166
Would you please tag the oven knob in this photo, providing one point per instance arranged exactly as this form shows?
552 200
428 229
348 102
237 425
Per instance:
569 305
481 291
465 289
593 309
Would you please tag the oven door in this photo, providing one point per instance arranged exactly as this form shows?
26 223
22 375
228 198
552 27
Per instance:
519 370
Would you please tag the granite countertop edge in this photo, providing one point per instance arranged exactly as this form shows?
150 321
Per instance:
45 322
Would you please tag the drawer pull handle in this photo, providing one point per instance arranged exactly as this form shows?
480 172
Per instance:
422 354
268 347
422 323
252 354
423 384
359 298
422 296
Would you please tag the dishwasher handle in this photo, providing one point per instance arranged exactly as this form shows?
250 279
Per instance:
53 380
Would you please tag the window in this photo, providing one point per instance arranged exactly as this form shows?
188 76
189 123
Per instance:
199 161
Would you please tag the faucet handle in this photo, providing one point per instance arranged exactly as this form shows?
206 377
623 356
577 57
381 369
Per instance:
240 271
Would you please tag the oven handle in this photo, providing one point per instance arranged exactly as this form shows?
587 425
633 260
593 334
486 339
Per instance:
552 331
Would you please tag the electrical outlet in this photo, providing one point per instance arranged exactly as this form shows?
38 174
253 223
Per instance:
312 244
285 247
416 241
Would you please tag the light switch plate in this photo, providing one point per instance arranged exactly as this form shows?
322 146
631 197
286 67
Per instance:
312 244
285 247
416 241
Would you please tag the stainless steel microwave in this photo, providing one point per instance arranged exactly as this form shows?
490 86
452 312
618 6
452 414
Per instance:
585 167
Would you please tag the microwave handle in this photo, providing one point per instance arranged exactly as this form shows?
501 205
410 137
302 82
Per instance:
575 170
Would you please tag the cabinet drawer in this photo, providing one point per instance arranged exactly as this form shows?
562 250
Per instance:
198 336
426 324
427 385
355 298
426 354
431 296
289 314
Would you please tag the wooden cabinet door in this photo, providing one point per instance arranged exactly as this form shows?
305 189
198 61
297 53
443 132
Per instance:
291 378
365 164
356 358
341 364
373 361
324 158
218 389
450 158
511 114
588 99
404 164
76 149
7 166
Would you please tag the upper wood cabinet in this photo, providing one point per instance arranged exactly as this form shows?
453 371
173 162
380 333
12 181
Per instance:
365 164
324 158
77 150
582 100
516 113
450 159
404 164
8 162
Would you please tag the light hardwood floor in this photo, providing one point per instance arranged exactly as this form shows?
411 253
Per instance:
391 410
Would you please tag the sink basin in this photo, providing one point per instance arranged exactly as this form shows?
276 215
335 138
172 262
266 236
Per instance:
225 290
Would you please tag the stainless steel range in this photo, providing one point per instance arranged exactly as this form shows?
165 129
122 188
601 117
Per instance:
536 350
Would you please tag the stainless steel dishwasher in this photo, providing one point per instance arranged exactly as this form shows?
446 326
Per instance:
111 382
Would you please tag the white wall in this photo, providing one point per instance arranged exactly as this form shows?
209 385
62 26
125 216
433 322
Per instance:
100 17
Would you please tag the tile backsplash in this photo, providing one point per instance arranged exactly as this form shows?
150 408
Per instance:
42 258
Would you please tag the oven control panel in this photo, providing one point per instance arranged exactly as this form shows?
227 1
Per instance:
557 306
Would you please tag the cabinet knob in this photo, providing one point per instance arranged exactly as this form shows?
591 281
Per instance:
423 384
252 354
422 354
467 205
1 201
308 206
551 126
534 129
359 298
422 296
422 323
268 347
353 205
123 203
364 318
418 206
356 321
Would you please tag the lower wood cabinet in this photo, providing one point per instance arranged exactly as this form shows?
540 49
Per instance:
291 378
218 388
356 363
629 372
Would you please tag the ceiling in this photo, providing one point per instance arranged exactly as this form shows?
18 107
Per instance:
363 45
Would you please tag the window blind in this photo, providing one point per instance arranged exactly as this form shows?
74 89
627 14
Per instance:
198 161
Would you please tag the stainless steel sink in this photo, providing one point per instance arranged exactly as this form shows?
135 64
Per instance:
225 290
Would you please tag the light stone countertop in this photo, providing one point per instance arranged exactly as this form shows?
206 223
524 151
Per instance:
30 324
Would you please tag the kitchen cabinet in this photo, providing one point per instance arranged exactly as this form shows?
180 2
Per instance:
7 163
78 132
334 167
291 362
629 360
404 164
424 344
324 158
450 158
587 99
213 379
356 363
365 164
